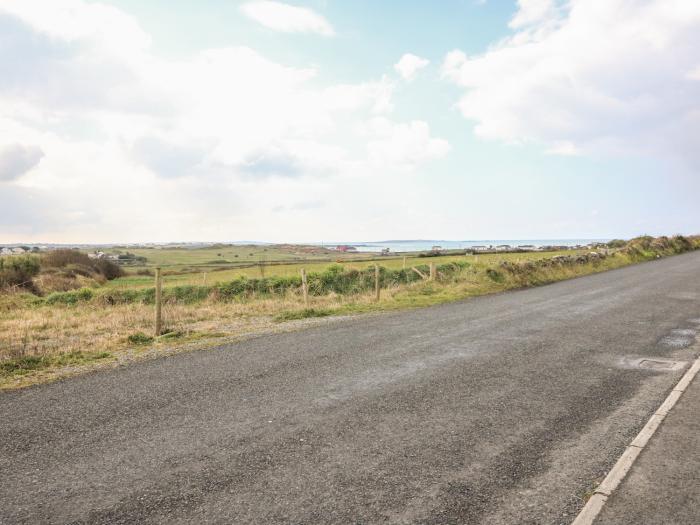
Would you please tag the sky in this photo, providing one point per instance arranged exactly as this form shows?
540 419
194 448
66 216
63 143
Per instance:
312 120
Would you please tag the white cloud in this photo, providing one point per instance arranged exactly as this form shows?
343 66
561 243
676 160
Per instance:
16 160
563 148
287 18
409 64
694 74
140 147
590 76
532 12
404 144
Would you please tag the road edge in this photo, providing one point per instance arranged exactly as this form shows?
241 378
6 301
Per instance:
596 502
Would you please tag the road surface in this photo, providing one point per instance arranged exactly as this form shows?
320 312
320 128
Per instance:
663 485
500 409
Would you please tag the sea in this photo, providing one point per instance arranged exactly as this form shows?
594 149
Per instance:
427 244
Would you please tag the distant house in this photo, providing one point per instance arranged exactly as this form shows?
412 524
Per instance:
5 251
97 255
526 246
503 247
18 250
345 248
385 251
480 248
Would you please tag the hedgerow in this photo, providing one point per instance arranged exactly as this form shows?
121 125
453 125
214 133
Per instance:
337 280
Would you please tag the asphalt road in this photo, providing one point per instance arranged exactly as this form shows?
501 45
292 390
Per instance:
501 409
663 485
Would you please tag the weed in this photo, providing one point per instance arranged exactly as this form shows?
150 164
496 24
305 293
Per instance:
139 338
303 314
495 275
27 364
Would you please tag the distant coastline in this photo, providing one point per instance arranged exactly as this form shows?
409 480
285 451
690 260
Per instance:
393 245
427 244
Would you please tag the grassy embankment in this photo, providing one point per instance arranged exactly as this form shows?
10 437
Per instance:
76 328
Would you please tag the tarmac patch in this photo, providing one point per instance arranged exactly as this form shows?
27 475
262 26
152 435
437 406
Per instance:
659 364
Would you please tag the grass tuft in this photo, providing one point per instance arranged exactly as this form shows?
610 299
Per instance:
306 313
139 338
26 364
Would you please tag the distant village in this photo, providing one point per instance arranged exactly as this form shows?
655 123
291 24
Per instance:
20 250
490 248
126 258
121 258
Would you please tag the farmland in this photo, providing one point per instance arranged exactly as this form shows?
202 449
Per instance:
197 267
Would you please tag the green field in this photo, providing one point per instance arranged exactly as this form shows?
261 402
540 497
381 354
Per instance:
226 255
195 266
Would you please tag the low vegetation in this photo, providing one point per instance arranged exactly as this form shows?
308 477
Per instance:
24 365
306 313
18 271
57 270
40 330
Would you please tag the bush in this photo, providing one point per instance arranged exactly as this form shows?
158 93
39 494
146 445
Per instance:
617 243
494 275
18 270
64 257
109 269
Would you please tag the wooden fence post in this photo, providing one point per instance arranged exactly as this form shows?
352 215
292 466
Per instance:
159 320
433 272
204 279
305 287
376 282
419 273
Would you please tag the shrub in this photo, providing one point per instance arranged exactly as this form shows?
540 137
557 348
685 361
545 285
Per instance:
617 243
109 269
74 263
18 270
64 257
494 275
